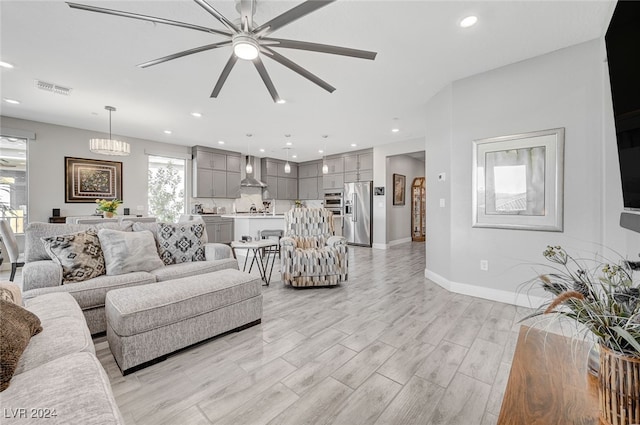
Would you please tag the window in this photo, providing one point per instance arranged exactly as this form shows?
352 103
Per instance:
13 182
166 187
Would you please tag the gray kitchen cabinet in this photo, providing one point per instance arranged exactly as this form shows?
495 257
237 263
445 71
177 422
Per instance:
282 188
233 185
308 188
292 189
293 174
272 187
365 161
204 183
219 229
216 173
270 167
350 163
225 232
351 177
333 181
234 163
219 184
308 170
335 165
365 175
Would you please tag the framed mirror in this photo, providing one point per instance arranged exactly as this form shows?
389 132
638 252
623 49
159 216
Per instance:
518 181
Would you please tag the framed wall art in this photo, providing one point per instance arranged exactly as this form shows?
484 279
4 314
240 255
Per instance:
89 179
518 181
399 185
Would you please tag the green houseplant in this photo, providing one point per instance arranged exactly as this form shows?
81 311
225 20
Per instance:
605 300
109 208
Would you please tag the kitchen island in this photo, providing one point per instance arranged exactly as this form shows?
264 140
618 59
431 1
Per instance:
252 224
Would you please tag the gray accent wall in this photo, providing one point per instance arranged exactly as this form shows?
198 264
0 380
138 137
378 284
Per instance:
560 89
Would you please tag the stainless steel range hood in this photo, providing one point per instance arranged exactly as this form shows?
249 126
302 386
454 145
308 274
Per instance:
252 180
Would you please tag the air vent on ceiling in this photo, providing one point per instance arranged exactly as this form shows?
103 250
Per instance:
43 85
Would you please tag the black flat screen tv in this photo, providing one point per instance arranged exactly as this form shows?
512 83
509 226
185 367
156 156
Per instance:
623 57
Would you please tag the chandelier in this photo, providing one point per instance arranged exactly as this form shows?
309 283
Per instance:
109 146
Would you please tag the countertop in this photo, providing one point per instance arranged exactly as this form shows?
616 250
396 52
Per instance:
256 215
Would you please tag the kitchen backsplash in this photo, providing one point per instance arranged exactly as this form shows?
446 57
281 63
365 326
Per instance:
248 197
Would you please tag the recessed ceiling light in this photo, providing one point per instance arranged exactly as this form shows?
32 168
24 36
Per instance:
320 151
221 142
395 130
5 65
353 145
289 143
469 21
196 114
261 150
167 132
294 156
12 101
281 101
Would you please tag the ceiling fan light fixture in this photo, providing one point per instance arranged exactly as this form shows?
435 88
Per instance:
245 47
109 146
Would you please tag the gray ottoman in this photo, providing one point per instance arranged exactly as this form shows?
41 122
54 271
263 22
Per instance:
146 323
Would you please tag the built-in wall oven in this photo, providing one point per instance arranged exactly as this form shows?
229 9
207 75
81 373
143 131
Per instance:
333 202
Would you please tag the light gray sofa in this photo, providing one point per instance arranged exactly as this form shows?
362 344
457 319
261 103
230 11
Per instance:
41 275
58 379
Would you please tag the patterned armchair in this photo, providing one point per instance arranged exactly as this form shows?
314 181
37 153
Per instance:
311 255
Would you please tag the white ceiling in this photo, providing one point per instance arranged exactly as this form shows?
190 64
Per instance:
420 49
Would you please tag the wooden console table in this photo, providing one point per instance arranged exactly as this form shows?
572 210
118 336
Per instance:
549 383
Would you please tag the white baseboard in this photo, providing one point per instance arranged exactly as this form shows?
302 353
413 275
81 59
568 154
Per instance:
499 295
379 246
399 241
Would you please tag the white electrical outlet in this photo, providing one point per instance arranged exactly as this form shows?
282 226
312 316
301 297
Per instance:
484 265
442 177
442 202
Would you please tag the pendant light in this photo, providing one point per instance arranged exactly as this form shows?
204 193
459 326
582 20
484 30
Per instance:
287 167
109 146
249 167
325 167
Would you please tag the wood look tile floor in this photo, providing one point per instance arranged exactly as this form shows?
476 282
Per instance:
387 347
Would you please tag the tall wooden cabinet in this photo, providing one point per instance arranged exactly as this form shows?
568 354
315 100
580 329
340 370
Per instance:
418 210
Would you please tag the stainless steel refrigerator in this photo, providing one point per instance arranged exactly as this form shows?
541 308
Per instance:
357 224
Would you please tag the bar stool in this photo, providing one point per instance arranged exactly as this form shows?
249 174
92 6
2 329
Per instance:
265 234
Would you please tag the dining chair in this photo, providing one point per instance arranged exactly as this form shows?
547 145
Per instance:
11 245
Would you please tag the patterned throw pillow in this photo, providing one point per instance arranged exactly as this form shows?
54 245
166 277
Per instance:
79 254
10 292
181 242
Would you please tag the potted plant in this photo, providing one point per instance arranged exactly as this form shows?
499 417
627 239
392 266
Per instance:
605 300
108 208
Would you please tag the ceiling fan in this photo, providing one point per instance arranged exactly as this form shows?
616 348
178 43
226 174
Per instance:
249 40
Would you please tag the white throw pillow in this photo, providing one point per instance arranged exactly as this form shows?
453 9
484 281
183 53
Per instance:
126 252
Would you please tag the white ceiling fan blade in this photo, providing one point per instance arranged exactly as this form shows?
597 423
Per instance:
266 79
219 16
223 76
297 68
247 9
184 53
146 18
290 15
316 47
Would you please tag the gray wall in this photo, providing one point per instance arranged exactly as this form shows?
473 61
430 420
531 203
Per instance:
560 89
46 167
399 216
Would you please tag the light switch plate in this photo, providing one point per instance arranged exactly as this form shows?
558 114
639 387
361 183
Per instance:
442 202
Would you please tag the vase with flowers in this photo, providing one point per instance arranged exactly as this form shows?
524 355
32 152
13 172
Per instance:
107 207
605 300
